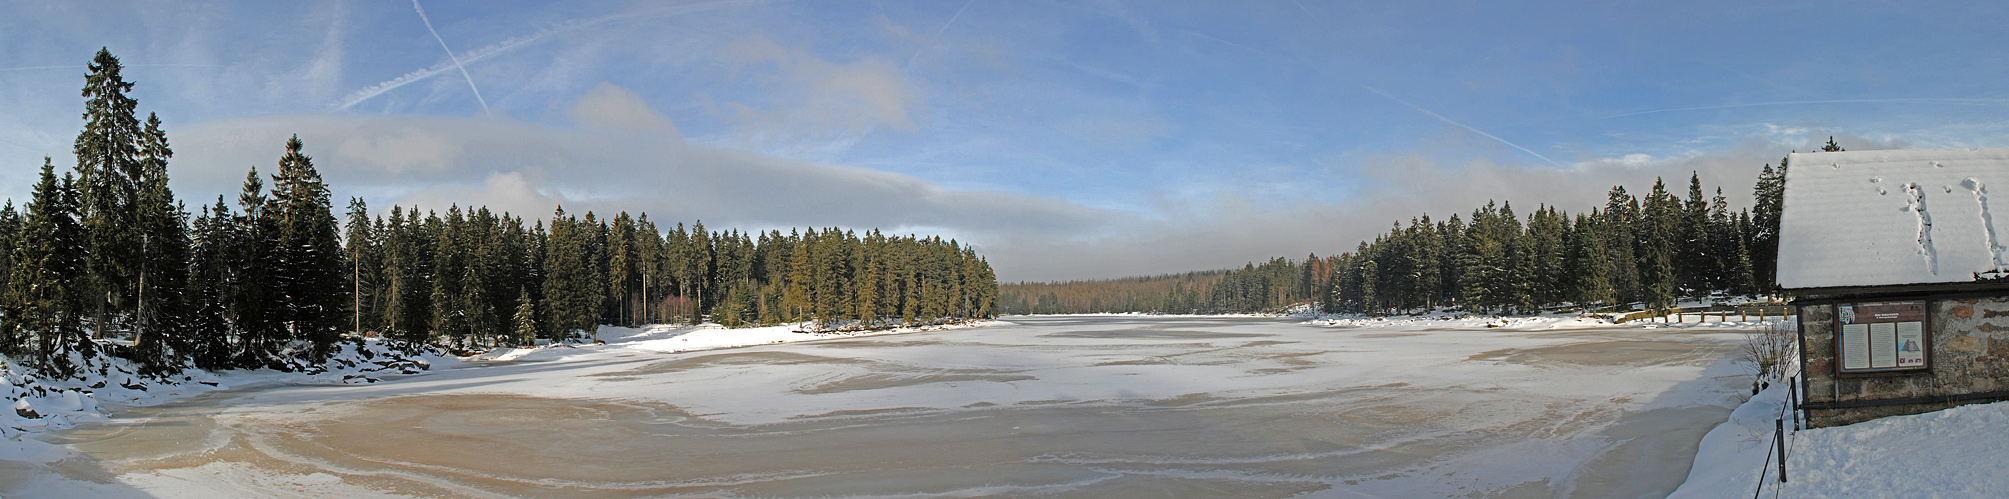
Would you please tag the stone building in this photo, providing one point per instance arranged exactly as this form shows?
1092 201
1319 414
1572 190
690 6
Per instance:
1897 266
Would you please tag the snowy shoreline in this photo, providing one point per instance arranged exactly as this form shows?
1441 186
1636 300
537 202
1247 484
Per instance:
670 338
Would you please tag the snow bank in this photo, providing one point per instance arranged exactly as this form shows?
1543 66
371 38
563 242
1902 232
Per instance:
1521 323
668 338
1949 453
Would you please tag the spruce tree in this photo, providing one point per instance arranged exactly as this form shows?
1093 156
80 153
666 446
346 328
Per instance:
569 300
1661 226
1695 260
209 276
449 263
1590 267
309 274
1769 197
253 298
161 334
1621 240
43 314
523 324
697 270
108 169
10 238
624 277
362 257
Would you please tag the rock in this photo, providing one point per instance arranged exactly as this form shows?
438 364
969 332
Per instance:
1965 344
27 413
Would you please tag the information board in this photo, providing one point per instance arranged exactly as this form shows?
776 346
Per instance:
1880 336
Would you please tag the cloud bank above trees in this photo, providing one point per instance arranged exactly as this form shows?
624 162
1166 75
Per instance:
622 156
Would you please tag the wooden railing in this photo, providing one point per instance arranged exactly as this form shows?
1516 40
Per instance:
1723 313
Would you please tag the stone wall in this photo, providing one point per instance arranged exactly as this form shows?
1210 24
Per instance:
1968 354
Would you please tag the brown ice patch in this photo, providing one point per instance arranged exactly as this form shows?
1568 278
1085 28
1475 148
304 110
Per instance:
1387 335
1154 334
741 358
1654 452
1612 353
876 381
875 343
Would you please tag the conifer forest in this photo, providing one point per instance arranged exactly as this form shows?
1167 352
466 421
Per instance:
106 257
1645 252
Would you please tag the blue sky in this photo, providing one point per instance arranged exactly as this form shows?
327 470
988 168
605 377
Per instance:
1064 139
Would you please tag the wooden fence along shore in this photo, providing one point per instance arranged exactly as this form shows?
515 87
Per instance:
1723 313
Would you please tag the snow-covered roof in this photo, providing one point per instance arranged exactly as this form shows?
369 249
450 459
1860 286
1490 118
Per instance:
1879 218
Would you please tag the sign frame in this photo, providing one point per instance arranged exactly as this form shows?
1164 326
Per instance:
1903 318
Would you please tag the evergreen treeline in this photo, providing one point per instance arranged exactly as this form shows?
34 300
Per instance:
1647 252
1271 286
473 277
1637 251
1176 293
105 255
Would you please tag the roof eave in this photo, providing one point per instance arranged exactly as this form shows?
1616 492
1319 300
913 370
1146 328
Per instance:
1899 289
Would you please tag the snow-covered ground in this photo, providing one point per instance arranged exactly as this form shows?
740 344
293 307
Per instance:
1950 453
1069 405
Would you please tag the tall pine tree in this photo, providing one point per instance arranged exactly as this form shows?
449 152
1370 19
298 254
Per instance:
308 271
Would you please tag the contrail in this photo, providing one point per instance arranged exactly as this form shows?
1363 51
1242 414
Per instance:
939 32
32 68
449 56
506 46
952 18
1810 102
1440 117
1300 6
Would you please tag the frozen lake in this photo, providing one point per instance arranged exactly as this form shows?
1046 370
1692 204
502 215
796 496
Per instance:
1080 406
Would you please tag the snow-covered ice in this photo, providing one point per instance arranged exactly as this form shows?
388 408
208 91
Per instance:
1068 405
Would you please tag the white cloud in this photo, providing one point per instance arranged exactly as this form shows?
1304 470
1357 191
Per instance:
612 107
627 159
811 99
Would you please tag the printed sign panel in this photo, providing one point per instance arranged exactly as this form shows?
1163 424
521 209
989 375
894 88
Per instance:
1855 346
1882 345
1881 335
1910 344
